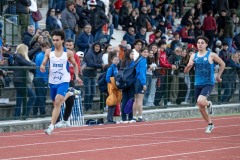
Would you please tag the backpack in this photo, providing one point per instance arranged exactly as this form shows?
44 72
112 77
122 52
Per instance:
102 83
126 78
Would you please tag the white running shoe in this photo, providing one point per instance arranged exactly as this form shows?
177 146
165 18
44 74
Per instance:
209 128
210 108
74 91
62 124
133 120
48 131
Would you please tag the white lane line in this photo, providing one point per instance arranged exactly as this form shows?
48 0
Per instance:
103 127
112 148
189 153
113 137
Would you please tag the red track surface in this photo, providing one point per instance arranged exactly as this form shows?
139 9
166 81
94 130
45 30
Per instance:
182 139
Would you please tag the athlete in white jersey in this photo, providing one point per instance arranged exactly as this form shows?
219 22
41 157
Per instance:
59 75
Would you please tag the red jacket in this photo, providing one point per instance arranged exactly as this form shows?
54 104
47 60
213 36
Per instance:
151 38
71 66
209 23
183 33
163 61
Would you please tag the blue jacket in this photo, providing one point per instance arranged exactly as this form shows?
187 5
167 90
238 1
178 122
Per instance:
51 24
112 71
38 62
84 41
141 69
129 38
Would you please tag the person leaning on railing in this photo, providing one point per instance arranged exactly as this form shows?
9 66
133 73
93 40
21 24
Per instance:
20 78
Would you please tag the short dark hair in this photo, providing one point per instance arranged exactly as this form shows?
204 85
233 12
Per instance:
58 32
45 44
69 40
161 42
203 38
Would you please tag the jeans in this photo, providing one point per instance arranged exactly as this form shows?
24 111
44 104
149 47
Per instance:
61 4
52 3
188 83
148 84
32 22
97 34
20 93
23 22
115 18
135 4
41 92
90 91
69 34
229 42
111 28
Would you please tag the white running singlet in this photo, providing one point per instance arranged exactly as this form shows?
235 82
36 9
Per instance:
59 68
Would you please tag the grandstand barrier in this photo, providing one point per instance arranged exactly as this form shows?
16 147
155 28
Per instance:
98 105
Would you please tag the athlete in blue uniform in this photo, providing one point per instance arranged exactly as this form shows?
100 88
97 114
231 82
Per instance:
59 75
203 61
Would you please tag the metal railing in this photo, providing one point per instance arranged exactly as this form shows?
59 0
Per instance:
98 104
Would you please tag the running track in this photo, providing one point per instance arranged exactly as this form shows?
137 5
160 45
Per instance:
182 139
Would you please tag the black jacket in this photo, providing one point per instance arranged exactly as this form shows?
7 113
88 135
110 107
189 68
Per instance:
22 6
18 74
97 19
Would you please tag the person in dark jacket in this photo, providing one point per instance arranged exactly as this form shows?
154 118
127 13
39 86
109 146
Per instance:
28 35
93 61
129 36
97 19
51 22
22 7
84 40
20 76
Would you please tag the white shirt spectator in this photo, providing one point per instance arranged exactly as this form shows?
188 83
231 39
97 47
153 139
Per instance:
33 7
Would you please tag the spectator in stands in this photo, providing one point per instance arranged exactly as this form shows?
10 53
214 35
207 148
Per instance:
83 19
221 23
173 79
184 34
209 27
222 4
52 4
69 20
97 19
153 35
162 26
108 48
142 34
162 79
61 4
188 17
236 40
51 22
127 93
40 82
84 40
28 35
137 46
58 18
93 61
19 77
198 30
33 8
143 19
176 41
122 49
228 33
131 21
230 78
129 36
140 85
23 13
123 14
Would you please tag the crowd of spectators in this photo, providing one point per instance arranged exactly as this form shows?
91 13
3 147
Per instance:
91 24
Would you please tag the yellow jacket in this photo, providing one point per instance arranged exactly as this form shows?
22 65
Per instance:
115 95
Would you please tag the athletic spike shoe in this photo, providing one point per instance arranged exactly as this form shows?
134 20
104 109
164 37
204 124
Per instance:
209 128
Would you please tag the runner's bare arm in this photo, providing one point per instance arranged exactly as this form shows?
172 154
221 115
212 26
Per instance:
45 60
189 65
221 63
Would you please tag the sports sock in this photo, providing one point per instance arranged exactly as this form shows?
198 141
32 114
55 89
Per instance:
51 126
135 117
210 124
